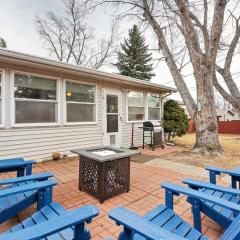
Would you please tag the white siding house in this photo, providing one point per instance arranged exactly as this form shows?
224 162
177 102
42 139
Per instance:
226 114
48 106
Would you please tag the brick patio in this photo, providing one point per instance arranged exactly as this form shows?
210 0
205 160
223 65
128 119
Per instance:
145 194
158 151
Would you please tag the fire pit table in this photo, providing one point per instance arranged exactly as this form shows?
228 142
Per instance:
104 171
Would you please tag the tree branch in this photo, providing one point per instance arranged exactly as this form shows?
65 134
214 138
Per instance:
183 90
216 30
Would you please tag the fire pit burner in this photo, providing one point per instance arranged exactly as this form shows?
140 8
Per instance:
104 152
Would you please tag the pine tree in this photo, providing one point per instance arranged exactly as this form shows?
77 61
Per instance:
3 43
134 59
175 120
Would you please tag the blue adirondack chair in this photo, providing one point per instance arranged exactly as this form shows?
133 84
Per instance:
233 173
54 222
21 192
163 223
220 214
17 164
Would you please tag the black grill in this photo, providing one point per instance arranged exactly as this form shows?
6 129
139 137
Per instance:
156 134
151 124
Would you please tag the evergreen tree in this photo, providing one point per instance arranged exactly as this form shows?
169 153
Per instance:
3 43
134 59
175 120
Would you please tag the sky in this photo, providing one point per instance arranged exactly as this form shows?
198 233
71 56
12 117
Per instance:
18 29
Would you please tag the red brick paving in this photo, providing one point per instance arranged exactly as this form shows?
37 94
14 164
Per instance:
158 151
144 195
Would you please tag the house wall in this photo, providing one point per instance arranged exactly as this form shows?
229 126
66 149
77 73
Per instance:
226 117
40 142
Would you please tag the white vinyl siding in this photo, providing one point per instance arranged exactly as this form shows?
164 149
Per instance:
40 142
127 126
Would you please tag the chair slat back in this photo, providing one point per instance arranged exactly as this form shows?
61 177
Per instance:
233 231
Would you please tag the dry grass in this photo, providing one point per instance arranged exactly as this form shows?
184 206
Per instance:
230 158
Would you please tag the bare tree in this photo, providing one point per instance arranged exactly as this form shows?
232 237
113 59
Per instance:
187 32
70 39
230 47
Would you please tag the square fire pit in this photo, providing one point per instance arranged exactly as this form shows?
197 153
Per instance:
104 171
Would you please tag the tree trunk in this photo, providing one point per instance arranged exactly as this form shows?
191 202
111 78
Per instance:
205 118
169 136
204 112
206 132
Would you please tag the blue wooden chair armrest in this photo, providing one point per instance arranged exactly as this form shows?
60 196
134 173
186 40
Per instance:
75 218
174 189
195 184
28 187
17 164
222 170
214 171
11 160
33 177
133 223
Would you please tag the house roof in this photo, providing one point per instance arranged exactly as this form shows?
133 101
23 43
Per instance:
177 101
22 59
222 112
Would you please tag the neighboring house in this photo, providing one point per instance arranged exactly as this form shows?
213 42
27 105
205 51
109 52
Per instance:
226 114
223 114
48 106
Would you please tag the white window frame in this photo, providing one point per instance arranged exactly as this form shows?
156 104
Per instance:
65 103
154 107
2 97
144 106
57 101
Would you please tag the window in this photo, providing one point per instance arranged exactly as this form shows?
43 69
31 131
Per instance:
112 113
136 104
1 98
35 99
80 102
153 107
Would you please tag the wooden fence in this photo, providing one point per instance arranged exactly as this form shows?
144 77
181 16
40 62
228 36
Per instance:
226 127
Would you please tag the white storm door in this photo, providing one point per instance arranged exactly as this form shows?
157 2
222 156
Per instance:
112 118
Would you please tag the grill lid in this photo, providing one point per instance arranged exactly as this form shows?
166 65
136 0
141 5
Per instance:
151 124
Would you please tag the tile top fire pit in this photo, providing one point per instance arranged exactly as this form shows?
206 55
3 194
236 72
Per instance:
104 171
103 154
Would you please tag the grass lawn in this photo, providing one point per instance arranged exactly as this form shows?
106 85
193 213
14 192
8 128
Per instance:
230 158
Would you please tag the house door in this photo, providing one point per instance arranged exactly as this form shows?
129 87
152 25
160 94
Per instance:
112 118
